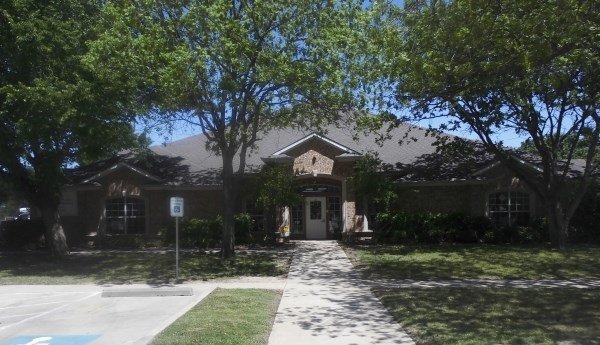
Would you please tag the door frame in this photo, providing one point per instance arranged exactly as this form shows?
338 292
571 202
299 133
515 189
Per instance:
321 232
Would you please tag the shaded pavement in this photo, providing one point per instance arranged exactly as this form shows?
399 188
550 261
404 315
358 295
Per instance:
325 301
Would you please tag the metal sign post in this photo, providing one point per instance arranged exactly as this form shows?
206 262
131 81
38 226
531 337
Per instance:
176 211
176 248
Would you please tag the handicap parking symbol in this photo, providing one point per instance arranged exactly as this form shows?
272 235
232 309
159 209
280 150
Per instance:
51 340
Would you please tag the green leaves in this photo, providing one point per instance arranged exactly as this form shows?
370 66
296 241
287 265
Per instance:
276 187
525 67
227 64
513 65
54 109
369 183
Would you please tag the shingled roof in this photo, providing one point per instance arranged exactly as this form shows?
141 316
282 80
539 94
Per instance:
418 157
417 142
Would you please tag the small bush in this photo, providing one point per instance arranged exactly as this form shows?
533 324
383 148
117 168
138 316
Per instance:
207 233
18 233
202 233
243 226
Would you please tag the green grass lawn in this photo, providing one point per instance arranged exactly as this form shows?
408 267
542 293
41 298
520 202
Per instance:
476 261
477 316
225 317
134 267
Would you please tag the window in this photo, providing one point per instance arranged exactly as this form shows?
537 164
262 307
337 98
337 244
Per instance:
318 189
297 226
258 218
371 213
509 208
315 210
125 216
334 214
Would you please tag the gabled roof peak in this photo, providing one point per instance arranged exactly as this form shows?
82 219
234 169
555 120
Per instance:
117 166
316 136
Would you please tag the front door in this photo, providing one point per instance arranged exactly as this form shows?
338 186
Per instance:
315 218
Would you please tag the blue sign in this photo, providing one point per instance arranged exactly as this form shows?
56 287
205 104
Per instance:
51 340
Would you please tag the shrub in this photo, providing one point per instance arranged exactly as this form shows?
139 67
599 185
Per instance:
243 226
452 228
207 233
18 233
585 225
428 227
203 233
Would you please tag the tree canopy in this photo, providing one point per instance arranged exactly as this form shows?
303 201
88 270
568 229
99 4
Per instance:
54 111
237 68
369 183
531 68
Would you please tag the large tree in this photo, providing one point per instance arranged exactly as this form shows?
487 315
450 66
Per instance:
54 112
527 68
236 68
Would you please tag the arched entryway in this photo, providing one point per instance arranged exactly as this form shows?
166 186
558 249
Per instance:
320 214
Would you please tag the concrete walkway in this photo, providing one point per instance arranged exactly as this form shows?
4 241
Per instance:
326 302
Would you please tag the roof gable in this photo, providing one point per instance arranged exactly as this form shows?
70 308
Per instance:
119 166
306 139
288 152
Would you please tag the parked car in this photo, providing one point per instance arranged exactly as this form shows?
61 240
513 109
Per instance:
24 213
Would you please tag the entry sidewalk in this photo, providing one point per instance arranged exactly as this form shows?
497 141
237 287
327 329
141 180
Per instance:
325 302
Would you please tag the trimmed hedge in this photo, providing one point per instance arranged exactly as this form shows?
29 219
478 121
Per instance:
207 233
452 228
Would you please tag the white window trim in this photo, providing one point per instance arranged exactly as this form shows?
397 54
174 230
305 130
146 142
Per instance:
509 191
146 215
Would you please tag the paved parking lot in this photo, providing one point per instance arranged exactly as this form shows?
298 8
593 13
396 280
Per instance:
79 315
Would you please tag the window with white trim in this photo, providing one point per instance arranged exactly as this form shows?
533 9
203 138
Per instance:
297 215
125 215
509 208
257 215
334 214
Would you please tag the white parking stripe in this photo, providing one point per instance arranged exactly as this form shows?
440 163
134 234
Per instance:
13 316
10 297
33 305
44 293
50 311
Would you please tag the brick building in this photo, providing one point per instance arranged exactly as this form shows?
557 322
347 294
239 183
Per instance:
130 194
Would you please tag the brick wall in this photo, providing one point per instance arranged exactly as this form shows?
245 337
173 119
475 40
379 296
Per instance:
91 203
464 198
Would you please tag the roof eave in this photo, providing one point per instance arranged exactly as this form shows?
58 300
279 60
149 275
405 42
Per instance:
348 158
282 158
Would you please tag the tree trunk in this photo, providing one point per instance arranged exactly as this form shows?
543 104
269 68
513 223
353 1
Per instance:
228 250
557 224
55 234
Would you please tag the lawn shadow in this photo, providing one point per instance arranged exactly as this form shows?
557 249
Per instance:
128 267
498 316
